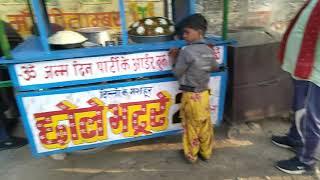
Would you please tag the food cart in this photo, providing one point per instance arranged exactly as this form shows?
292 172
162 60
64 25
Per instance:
123 91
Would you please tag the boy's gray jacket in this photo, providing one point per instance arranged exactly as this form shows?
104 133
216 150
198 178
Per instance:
193 66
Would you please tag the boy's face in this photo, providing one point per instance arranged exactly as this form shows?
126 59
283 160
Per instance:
191 35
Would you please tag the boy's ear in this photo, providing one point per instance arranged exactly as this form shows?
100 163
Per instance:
201 32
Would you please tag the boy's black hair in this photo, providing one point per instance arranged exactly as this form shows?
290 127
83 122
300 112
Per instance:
194 21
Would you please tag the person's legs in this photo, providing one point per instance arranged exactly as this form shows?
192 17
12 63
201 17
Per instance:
8 102
196 121
293 138
305 160
7 142
206 129
311 127
3 132
298 104
190 139
206 140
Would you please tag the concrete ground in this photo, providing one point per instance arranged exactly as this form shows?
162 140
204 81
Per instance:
249 155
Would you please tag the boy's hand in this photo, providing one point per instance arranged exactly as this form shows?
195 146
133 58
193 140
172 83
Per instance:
173 54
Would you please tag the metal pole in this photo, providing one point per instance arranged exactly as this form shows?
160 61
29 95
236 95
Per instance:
225 19
5 84
124 32
40 17
4 43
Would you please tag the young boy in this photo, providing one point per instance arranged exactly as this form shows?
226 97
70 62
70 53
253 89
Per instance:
192 66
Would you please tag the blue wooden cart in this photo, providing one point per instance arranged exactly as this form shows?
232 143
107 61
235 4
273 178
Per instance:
84 98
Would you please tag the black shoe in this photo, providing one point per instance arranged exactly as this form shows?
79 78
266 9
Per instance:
294 166
13 143
285 142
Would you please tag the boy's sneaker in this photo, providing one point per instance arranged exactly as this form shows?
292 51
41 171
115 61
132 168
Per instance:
285 142
294 166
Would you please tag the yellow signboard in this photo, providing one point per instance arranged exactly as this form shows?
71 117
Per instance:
75 14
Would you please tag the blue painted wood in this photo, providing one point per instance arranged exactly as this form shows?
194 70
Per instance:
124 30
94 87
104 144
37 49
41 23
104 86
27 126
13 76
192 6
82 82
19 87
91 81
32 51
222 96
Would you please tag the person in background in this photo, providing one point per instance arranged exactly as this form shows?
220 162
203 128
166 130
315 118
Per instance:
7 98
300 56
192 66
7 141
7 102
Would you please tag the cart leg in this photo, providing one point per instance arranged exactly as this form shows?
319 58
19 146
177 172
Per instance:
59 157
89 151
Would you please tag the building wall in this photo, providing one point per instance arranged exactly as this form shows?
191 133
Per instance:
274 14
73 14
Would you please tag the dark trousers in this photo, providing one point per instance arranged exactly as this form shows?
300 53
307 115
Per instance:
4 104
306 125
3 131
7 102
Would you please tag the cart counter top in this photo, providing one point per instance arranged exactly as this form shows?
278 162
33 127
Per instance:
32 51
